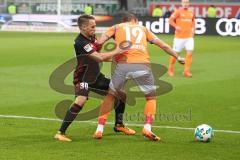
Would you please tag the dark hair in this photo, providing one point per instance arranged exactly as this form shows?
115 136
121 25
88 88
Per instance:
83 19
127 17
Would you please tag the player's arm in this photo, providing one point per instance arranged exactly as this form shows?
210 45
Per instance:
104 37
107 35
84 48
164 46
172 20
105 56
109 59
193 26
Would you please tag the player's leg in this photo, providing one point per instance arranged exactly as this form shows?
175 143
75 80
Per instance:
101 87
171 66
146 84
81 92
189 46
105 109
119 107
188 62
149 112
117 83
177 47
119 125
72 113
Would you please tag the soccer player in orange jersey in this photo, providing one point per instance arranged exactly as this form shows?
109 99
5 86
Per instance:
183 20
132 64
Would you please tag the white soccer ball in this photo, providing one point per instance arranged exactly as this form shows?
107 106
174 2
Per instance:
203 133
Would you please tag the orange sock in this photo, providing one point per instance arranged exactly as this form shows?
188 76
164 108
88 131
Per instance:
188 62
105 109
150 108
150 111
171 63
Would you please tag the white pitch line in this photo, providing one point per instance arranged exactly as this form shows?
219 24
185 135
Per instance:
94 122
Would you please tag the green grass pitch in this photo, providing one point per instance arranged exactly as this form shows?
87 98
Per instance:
212 95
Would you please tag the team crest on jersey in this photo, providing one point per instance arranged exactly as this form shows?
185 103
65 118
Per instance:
88 48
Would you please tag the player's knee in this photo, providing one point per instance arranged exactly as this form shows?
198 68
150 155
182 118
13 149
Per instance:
112 92
121 95
80 100
151 95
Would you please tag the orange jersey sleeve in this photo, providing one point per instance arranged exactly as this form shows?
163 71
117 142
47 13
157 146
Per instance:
111 31
173 17
151 37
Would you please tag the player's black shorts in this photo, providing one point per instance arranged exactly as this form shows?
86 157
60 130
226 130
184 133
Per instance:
99 86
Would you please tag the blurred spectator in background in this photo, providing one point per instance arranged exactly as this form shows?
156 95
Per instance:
157 11
24 8
212 12
2 20
168 13
141 3
88 10
77 12
12 9
123 5
145 3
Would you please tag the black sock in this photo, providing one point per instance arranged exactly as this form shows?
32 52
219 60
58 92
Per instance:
70 116
119 107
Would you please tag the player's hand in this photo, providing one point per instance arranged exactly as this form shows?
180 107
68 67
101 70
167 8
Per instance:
123 46
193 32
178 28
119 50
181 60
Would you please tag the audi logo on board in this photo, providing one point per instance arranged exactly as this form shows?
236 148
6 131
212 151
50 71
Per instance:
223 26
228 27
